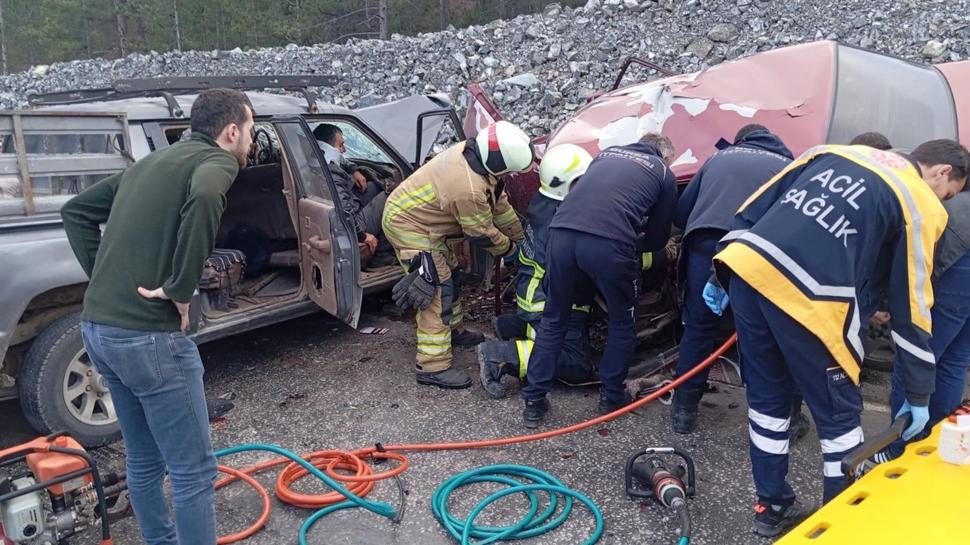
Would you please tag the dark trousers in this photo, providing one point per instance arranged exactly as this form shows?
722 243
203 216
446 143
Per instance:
373 189
778 355
950 344
701 326
576 265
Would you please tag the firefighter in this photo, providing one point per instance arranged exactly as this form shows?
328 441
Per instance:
560 169
458 192
705 212
623 206
809 254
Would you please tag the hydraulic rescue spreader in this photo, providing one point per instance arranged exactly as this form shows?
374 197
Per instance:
664 485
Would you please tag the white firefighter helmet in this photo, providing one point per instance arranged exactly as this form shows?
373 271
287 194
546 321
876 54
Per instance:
504 148
560 167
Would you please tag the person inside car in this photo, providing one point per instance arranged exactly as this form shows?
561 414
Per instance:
361 199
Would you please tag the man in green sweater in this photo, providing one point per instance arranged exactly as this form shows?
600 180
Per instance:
161 216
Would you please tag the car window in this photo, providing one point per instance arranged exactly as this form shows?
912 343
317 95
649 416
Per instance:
909 103
304 158
358 144
64 156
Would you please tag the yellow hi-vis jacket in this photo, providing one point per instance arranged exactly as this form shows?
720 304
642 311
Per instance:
829 236
445 199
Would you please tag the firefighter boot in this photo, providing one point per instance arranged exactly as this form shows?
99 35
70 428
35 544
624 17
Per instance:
495 360
449 379
683 411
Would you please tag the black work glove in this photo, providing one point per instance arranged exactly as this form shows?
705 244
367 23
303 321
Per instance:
418 288
413 291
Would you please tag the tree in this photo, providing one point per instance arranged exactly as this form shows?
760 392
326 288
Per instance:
178 27
45 31
382 14
3 40
121 21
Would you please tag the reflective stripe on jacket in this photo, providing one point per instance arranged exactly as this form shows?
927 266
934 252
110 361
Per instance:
445 199
831 232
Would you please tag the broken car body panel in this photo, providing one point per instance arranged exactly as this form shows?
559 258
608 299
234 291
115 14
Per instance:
398 121
808 94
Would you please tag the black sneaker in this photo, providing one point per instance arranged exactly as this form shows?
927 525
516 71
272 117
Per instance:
770 521
467 337
449 379
535 410
883 456
607 405
490 373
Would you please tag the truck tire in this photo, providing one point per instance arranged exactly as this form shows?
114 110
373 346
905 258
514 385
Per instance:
60 390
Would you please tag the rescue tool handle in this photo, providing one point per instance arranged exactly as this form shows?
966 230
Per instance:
871 446
632 491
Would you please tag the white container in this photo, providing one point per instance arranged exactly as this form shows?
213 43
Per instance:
955 440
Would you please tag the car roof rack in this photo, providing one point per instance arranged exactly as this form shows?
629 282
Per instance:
167 88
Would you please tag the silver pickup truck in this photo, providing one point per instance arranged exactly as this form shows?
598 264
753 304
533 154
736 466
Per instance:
286 194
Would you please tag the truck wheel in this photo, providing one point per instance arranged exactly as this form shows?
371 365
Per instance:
61 391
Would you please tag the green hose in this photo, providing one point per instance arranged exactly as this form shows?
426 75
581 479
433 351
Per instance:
532 522
530 525
379 507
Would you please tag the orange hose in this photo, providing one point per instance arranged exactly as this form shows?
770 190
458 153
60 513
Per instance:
363 478
264 495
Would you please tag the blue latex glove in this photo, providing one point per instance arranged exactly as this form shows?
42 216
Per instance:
921 415
715 297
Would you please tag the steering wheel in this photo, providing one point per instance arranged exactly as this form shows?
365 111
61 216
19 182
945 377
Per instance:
262 151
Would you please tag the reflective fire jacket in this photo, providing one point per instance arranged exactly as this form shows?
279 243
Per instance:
448 197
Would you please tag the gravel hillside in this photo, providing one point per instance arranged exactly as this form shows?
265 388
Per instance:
542 67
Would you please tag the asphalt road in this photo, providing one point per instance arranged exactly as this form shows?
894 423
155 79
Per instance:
314 384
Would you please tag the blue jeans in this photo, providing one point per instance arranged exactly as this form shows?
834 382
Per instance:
950 344
577 264
155 379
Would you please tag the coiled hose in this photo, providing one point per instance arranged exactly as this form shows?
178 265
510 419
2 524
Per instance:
531 524
363 479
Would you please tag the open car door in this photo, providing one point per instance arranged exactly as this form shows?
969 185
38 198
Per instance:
329 255
414 124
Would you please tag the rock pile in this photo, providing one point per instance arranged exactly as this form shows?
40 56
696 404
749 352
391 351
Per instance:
542 67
